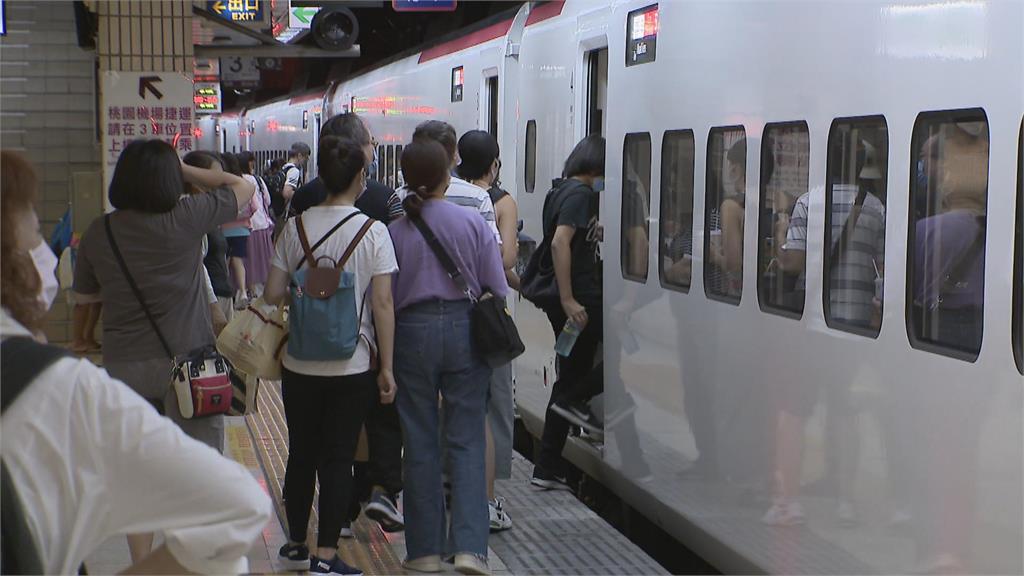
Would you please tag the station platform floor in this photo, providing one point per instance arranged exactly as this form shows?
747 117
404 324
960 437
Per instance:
553 532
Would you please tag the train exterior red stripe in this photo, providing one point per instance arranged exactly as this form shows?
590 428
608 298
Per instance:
468 41
545 11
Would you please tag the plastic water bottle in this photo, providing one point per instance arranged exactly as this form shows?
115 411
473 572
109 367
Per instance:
567 339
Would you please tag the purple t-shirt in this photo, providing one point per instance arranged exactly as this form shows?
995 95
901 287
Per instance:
941 240
469 242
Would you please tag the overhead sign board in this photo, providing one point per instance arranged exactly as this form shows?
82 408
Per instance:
424 5
301 17
144 105
241 11
206 98
642 35
206 70
240 71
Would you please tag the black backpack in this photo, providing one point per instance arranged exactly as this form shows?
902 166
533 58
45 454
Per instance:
275 185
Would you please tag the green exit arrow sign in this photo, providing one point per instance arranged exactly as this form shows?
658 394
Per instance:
301 16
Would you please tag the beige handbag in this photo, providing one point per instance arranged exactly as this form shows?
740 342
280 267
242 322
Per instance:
254 340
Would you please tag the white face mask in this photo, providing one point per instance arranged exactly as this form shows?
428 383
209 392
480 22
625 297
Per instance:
46 266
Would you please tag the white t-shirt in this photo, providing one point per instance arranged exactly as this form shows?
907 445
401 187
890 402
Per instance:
91 459
293 176
374 256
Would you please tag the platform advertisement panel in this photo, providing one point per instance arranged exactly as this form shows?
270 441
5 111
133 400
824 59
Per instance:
144 105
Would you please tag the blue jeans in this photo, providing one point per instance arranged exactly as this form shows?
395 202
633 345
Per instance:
434 354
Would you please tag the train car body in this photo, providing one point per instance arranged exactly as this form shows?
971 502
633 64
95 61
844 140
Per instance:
904 449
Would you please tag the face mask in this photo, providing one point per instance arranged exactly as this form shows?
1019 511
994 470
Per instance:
598 185
46 266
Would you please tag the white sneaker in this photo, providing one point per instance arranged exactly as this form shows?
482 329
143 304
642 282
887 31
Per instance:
429 564
782 514
500 519
471 564
846 514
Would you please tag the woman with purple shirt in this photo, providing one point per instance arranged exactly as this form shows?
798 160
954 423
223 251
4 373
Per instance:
435 355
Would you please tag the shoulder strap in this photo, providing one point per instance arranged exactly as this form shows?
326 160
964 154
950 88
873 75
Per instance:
849 226
22 359
304 240
355 242
446 261
20 554
963 262
135 287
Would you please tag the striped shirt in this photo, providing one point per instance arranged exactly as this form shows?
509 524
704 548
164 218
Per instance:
852 281
470 196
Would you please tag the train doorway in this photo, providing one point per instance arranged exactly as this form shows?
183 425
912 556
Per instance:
597 91
489 103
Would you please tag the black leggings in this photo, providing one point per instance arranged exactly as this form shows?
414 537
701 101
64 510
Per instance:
324 415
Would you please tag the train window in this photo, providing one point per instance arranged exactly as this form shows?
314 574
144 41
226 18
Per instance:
782 205
531 156
398 166
458 83
676 221
389 166
946 239
855 203
636 205
725 198
1018 266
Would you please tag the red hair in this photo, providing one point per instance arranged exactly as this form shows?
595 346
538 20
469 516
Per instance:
19 281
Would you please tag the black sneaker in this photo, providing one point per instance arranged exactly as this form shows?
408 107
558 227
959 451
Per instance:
545 481
334 566
383 509
579 414
294 557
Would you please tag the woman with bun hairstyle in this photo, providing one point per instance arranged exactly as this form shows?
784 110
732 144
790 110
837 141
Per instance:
327 401
437 356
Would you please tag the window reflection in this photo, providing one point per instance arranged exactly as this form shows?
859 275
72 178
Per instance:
676 245
855 199
636 205
785 154
947 232
724 206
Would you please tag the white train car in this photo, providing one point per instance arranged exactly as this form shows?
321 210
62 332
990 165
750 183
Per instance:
731 374
270 129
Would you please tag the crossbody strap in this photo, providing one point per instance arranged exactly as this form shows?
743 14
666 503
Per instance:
22 359
304 240
447 263
135 287
963 262
848 227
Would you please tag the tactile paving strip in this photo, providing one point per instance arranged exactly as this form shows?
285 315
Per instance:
554 533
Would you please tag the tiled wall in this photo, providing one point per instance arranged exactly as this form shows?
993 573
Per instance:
48 111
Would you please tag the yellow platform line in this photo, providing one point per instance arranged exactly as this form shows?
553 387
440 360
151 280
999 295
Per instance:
371 550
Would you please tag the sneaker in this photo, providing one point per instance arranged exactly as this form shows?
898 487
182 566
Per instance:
471 564
579 414
335 566
383 509
294 557
546 481
428 564
346 531
499 518
846 514
782 514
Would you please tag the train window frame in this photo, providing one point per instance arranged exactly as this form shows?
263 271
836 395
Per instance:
1017 323
398 165
927 119
530 166
709 178
830 178
458 83
664 190
762 190
643 138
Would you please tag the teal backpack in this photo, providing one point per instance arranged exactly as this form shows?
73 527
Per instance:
323 320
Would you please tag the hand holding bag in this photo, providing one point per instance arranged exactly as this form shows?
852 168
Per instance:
201 380
493 329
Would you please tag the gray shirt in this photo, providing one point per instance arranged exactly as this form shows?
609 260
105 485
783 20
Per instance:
163 253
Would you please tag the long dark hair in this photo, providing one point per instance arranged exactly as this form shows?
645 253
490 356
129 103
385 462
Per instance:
424 167
586 159
147 178
340 161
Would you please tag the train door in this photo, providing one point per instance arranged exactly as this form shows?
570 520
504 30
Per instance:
490 103
311 171
596 68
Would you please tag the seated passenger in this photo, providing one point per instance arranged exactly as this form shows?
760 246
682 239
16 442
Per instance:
327 400
84 457
436 355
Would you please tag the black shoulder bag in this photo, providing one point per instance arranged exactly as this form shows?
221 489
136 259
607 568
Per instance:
493 329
